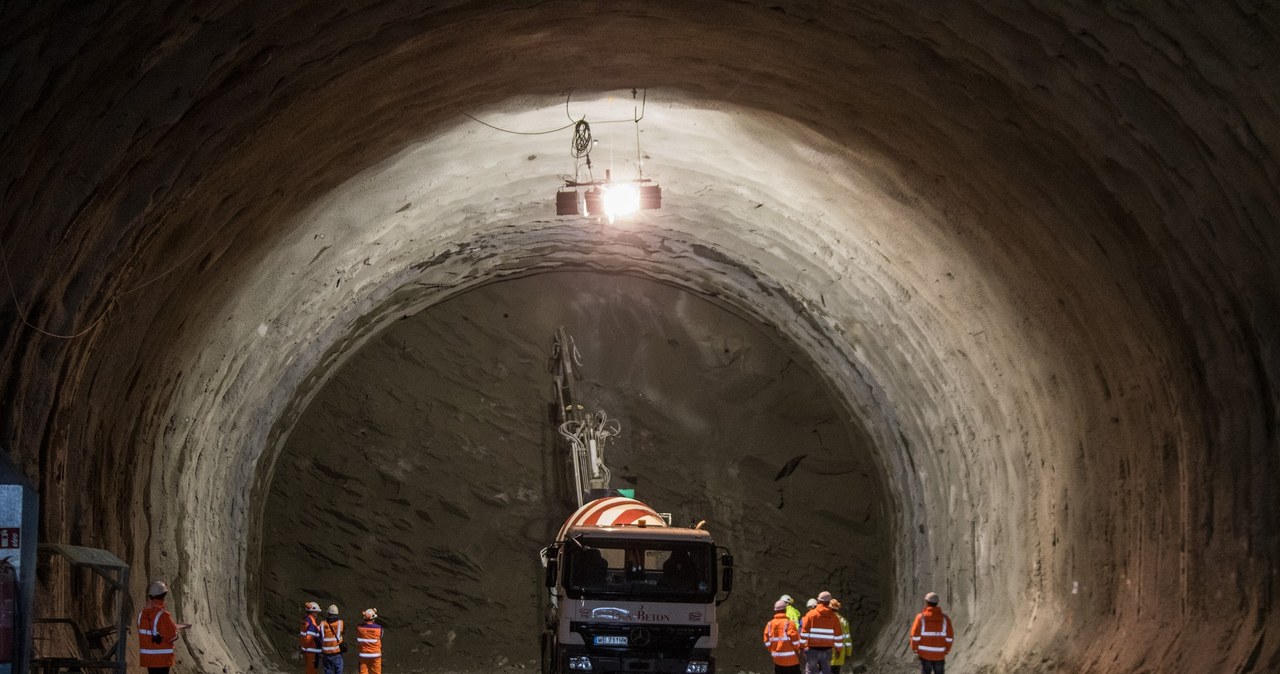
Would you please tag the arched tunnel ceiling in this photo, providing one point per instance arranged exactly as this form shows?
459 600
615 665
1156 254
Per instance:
1030 250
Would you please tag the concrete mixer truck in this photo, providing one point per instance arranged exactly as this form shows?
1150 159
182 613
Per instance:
627 592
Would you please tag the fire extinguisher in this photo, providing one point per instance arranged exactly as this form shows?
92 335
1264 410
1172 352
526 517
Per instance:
8 608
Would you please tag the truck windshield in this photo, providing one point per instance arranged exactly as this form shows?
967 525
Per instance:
656 570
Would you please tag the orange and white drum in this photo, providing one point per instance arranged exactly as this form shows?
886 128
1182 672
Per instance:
612 511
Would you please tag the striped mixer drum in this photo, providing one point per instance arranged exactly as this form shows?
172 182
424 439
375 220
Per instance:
612 511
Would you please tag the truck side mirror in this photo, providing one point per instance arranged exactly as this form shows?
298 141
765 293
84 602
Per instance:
726 573
553 566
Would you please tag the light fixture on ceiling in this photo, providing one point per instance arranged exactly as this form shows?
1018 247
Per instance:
605 198
608 198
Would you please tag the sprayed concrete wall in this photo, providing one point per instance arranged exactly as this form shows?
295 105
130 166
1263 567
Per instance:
1026 251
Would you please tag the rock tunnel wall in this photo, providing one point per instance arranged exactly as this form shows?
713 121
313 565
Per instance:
430 459
1030 250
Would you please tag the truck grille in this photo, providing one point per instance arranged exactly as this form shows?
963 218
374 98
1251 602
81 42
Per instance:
674 639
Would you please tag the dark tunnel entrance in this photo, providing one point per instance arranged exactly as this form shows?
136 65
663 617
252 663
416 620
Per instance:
421 479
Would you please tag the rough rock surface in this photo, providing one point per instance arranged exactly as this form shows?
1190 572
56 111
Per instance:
423 480
1029 248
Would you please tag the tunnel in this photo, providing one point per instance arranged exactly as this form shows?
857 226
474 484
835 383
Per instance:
968 298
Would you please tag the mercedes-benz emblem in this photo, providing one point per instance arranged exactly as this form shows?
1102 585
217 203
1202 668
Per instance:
639 637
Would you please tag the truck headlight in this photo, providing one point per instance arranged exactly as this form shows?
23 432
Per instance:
697 667
582 663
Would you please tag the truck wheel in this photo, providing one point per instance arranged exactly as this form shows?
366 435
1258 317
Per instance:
548 652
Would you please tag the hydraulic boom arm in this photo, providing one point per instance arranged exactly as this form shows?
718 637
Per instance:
586 433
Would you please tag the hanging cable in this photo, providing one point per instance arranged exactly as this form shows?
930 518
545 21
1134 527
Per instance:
518 133
22 315
581 145
644 98
113 301
606 121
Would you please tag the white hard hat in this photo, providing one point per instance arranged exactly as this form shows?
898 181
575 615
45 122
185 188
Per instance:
311 607
333 609
157 588
931 598
786 598
824 597
370 613
811 603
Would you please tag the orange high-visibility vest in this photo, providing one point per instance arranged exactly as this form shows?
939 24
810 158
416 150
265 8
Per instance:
783 640
820 628
309 637
331 637
932 634
154 621
370 637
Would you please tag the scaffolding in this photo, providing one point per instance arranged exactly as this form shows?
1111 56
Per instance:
93 648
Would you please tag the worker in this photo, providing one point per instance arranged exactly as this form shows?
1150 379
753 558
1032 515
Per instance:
331 642
157 631
841 652
310 640
793 613
808 606
369 634
820 630
783 640
931 636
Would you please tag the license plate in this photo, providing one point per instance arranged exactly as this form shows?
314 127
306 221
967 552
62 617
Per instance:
610 640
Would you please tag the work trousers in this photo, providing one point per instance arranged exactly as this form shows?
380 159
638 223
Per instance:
332 663
786 669
817 660
932 666
311 663
370 665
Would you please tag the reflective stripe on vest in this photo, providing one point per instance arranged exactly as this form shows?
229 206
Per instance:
332 632
934 642
150 653
820 628
309 637
820 637
370 638
781 644
155 623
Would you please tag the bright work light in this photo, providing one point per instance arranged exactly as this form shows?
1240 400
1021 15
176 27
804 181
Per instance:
621 199
607 198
